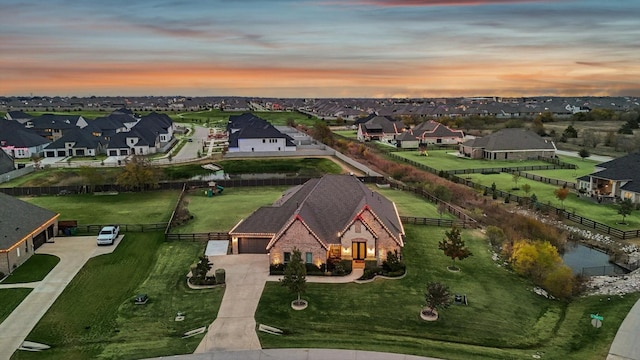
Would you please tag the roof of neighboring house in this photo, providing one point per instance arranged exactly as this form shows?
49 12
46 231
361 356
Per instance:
432 128
511 139
81 139
14 115
107 123
6 163
382 124
163 120
18 219
55 121
14 134
327 205
146 137
623 168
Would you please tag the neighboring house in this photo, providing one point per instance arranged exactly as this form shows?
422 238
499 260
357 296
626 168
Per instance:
429 132
380 128
249 133
509 144
618 178
332 218
107 126
137 141
53 126
18 142
23 229
18 116
6 163
160 124
78 142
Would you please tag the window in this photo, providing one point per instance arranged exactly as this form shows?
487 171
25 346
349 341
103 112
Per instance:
26 247
287 257
309 257
358 227
264 141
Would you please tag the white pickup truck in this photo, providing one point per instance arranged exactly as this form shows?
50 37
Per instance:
108 235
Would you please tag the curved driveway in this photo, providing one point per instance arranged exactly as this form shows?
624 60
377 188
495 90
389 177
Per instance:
73 253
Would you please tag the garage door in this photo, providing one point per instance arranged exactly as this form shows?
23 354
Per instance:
39 239
252 245
50 154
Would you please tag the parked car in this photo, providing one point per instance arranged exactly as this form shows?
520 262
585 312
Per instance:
108 235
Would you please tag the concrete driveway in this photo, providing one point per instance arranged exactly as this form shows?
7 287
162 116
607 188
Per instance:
73 253
235 326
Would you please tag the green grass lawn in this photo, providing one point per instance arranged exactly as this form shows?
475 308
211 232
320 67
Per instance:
504 318
584 167
583 206
409 204
34 269
223 212
94 317
443 160
351 134
124 208
11 298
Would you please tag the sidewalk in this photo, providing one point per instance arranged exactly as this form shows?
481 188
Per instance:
625 345
297 354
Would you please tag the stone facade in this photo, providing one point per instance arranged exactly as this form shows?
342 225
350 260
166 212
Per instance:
299 237
16 256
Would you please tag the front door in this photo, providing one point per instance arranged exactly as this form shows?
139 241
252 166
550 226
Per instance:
358 250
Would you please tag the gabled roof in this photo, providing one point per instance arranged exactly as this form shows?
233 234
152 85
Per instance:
14 134
382 123
511 139
146 137
81 139
249 126
18 219
6 163
55 121
15 115
429 129
163 120
107 123
326 206
623 168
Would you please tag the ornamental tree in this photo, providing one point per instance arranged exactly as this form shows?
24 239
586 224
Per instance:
453 246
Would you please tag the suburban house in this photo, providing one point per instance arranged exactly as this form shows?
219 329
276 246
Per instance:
107 126
18 116
23 229
332 218
379 128
20 143
53 126
617 179
249 133
429 132
508 144
77 142
160 124
137 141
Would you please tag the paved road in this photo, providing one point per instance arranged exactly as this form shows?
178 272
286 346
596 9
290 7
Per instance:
598 158
625 345
73 253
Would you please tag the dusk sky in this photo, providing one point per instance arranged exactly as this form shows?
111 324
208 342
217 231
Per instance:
320 48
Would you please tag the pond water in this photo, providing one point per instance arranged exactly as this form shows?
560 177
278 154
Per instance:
583 259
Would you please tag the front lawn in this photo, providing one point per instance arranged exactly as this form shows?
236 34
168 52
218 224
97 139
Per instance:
447 160
95 317
34 269
222 212
583 205
124 208
11 298
504 318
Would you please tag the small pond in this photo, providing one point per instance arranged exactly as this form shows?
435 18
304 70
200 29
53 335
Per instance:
591 262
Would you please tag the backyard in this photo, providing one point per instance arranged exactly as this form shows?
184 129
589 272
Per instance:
580 205
447 160
504 318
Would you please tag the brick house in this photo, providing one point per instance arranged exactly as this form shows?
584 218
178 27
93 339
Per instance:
23 229
335 217
508 144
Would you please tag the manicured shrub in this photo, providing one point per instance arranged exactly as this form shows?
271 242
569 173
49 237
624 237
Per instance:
220 276
313 269
276 269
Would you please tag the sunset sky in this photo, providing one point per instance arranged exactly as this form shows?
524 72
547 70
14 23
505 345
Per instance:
320 48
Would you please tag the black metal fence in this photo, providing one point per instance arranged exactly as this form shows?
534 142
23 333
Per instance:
94 229
198 236
603 270
546 180
437 222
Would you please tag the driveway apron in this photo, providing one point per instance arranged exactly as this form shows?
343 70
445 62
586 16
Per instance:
73 253
235 327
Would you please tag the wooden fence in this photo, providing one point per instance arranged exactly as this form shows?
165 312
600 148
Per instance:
94 229
198 236
437 222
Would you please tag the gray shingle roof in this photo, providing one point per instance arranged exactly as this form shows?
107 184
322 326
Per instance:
326 205
511 139
19 218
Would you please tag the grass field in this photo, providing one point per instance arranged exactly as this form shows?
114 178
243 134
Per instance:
34 269
409 204
351 134
11 298
124 208
223 212
583 206
504 318
95 318
584 167
443 160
